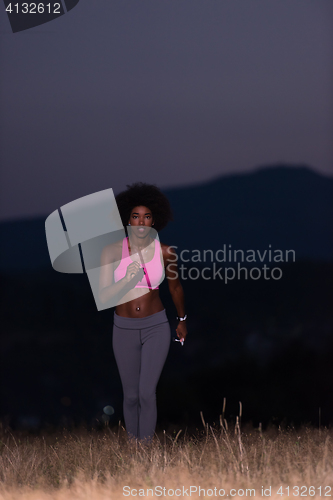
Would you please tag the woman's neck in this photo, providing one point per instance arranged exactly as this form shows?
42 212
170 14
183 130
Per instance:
138 244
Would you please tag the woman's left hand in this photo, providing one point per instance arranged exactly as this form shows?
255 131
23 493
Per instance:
181 330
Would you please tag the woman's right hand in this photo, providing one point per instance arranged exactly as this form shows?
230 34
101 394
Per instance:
132 271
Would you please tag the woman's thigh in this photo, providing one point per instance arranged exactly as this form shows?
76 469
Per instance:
155 347
127 351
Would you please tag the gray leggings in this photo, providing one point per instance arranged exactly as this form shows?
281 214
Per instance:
140 346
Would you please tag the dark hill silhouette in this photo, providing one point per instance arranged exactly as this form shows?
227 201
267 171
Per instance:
287 207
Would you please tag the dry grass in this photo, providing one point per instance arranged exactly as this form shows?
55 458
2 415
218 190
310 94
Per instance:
98 464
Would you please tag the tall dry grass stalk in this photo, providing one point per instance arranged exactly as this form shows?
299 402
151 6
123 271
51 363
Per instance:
98 464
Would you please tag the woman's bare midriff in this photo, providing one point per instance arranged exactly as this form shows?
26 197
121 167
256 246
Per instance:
150 303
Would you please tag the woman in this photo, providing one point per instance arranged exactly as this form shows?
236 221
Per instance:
132 268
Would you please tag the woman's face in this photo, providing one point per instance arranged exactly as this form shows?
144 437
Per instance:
141 216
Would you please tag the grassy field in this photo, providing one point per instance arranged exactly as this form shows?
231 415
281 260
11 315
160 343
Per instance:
224 461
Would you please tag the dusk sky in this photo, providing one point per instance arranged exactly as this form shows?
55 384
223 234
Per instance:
169 92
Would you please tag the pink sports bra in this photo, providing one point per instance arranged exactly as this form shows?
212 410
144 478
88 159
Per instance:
153 268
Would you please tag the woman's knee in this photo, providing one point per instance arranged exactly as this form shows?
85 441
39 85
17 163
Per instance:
147 397
131 399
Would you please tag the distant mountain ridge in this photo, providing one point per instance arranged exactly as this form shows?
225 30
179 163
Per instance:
283 206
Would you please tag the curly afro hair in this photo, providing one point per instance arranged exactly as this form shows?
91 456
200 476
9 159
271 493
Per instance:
147 195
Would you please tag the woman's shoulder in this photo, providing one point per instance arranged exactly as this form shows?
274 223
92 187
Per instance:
168 251
112 252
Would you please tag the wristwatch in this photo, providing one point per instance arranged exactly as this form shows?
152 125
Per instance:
181 319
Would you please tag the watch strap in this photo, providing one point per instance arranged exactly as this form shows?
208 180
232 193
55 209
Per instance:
181 319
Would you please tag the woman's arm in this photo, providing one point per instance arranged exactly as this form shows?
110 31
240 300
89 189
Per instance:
107 288
175 287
